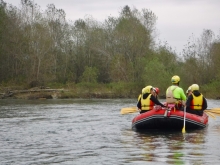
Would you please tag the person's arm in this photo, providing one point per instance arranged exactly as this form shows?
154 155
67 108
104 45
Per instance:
139 102
182 95
204 105
188 102
154 99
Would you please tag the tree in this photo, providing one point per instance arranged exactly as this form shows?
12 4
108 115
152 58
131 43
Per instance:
90 75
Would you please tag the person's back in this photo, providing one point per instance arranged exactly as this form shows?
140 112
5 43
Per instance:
175 94
147 100
196 102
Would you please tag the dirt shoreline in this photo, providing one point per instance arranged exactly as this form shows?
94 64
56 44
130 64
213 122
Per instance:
32 94
38 93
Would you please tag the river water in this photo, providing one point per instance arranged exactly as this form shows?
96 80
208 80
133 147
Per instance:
93 132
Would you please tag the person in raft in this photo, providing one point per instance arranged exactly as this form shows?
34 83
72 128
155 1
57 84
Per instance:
175 96
196 102
188 91
147 100
156 92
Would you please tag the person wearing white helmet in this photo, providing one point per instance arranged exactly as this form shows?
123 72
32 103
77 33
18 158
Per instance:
196 102
175 94
147 100
189 91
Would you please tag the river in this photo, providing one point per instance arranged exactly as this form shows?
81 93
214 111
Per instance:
93 132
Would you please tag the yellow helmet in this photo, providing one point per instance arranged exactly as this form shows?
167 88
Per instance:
147 89
195 87
175 79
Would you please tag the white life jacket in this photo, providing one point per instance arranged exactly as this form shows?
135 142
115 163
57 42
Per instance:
169 96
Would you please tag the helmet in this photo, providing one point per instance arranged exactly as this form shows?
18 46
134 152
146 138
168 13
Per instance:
195 87
157 90
175 79
147 89
189 89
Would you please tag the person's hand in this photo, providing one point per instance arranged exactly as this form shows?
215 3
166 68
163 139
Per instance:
184 103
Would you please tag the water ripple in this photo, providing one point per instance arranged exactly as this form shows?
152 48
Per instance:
93 132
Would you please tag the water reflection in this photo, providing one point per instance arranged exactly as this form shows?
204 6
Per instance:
168 147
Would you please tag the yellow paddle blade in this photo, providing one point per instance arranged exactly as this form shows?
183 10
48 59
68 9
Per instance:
210 114
128 110
215 111
184 130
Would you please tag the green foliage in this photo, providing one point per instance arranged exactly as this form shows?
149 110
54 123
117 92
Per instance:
55 85
43 47
125 89
90 75
209 90
156 74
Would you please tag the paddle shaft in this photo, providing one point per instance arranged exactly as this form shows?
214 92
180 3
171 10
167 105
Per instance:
184 121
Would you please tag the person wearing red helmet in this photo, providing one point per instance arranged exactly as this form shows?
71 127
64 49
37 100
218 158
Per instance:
156 91
147 99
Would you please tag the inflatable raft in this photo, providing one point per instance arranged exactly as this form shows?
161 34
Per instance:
168 119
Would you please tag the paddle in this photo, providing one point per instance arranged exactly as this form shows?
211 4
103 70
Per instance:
184 121
128 110
214 111
210 114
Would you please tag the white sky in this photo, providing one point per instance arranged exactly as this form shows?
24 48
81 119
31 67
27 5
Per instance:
177 19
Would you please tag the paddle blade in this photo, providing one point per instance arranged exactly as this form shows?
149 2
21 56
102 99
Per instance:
212 115
214 110
128 110
184 130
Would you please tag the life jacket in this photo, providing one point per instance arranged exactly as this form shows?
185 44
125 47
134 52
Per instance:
196 103
169 96
146 104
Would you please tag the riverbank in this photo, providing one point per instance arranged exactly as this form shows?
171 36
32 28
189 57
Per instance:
38 93
71 91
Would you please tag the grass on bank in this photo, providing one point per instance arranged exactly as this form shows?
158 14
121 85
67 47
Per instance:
95 90
80 90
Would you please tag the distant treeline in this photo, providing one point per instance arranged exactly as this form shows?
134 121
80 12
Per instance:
41 48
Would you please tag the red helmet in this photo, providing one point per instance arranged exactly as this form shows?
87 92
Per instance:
157 90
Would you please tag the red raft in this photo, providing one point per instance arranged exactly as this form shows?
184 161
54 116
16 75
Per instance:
168 119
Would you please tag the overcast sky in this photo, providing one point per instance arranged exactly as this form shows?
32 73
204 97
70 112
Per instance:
177 19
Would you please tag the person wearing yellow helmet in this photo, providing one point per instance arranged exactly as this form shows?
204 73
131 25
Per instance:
147 100
175 94
196 102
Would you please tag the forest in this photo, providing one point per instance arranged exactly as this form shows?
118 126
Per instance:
119 55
